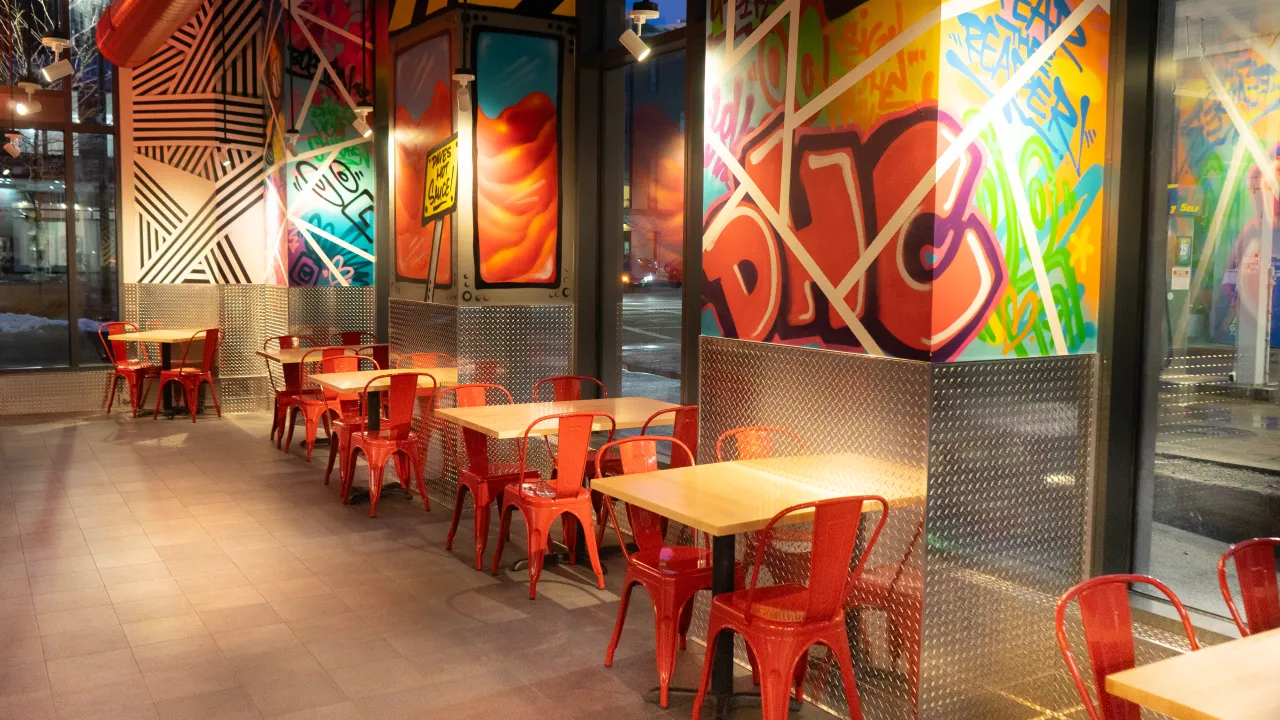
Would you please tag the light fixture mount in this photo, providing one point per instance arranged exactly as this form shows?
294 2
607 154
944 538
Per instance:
464 76
56 44
643 11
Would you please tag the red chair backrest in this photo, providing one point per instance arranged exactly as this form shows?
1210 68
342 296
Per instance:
1108 633
1256 570
401 396
212 341
835 533
473 395
314 360
356 337
684 427
335 360
567 387
574 442
638 455
757 442
426 360
118 350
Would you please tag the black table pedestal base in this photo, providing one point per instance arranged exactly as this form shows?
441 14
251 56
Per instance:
720 706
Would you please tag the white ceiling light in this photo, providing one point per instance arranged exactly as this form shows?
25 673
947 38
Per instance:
224 154
30 106
361 123
59 68
11 147
641 12
464 77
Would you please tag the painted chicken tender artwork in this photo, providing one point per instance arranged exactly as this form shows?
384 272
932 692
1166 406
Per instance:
517 160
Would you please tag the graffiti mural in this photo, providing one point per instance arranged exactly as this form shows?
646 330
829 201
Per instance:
424 118
517 139
329 177
884 178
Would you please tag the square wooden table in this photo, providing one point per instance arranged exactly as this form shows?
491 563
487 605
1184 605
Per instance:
1232 681
510 421
724 499
356 381
293 356
166 339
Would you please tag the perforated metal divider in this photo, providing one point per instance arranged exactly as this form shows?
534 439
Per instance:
1010 468
838 403
415 327
39 393
323 312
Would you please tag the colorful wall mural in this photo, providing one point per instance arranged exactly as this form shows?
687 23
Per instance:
408 13
517 147
423 119
329 179
886 178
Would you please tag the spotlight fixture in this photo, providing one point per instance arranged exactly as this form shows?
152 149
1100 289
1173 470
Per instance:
30 106
224 154
464 76
11 147
59 68
361 123
641 12
291 139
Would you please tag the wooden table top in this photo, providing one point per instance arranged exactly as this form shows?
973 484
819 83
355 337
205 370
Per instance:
1232 681
349 382
292 356
165 337
510 421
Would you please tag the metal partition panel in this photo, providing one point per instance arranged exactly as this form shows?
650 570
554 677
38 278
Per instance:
838 403
323 312
414 327
1011 448
514 345
70 391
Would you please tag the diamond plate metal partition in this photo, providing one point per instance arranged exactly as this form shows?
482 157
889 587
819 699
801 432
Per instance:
71 391
415 327
323 312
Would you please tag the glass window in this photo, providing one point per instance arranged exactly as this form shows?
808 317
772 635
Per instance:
91 100
33 253
95 218
652 237
1215 478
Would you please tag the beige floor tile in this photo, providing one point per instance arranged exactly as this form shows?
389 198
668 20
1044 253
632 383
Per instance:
341 711
287 589
282 664
119 695
61 566
81 671
143 590
221 580
233 704
201 564
23 680
278 572
83 642
162 629
153 609
139 712
167 683
326 627
134 573
240 618
226 598
126 557
80 619
14 588
309 606
117 544
31 706
235 530
189 550
112 531
20 650
255 640
377 678
45 584
72 600
349 649
303 692
193 650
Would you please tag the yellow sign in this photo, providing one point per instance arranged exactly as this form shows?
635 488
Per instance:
440 190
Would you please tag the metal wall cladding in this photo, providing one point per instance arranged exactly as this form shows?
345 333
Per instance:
71 391
420 327
514 345
323 312
838 403
1011 457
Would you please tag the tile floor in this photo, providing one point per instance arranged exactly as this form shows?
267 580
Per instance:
192 572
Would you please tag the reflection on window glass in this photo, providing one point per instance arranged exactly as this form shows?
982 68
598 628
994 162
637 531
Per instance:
26 22
33 253
96 246
1217 450
653 229
91 87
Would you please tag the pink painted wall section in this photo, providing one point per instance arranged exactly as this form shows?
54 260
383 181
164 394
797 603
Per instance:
883 177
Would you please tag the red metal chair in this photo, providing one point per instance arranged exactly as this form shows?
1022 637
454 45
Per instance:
684 428
343 410
426 360
897 590
1108 634
1256 570
192 376
357 337
134 372
671 575
381 353
758 442
311 400
396 441
484 479
565 387
542 502
781 622
285 381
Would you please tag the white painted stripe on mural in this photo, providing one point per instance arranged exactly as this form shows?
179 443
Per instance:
1252 143
323 258
334 28
898 43
756 35
332 238
318 151
731 26
788 129
324 62
721 219
797 248
1225 199
952 154
300 121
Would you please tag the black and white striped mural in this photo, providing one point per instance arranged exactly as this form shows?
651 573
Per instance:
188 218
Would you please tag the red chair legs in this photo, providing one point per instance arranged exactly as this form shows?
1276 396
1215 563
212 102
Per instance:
481 506
339 447
312 415
777 656
539 520
138 391
407 466
672 611
190 392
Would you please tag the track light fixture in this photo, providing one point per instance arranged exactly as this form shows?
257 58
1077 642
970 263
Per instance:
30 106
291 139
464 76
224 154
11 147
361 123
641 12
59 68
